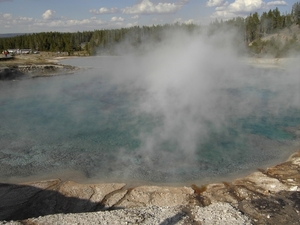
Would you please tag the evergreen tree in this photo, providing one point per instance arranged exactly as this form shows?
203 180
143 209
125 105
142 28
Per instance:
296 13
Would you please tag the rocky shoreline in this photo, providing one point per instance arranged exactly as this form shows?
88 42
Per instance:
33 71
32 66
270 196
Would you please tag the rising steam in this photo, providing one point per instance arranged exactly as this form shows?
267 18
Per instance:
197 109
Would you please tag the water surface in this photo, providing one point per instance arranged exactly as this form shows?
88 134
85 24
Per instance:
106 123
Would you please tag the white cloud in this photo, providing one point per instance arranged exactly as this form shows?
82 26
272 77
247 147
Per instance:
7 20
144 7
276 3
222 7
180 20
28 24
131 24
240 7
49 14
183 2
117 19
190 21
147 7
245 6
223 14
213 3
6 16
71 23
135 17
50 20
104 10
26 19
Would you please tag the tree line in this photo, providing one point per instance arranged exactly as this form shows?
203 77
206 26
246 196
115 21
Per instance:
250 30
256 26
47 41
89 41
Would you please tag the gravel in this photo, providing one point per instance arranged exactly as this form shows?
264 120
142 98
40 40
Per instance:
217 213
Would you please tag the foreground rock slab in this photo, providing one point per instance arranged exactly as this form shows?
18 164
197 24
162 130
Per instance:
27 200
156 196
270 196
23 201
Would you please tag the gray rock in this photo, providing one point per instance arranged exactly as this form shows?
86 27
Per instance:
269 196
218 213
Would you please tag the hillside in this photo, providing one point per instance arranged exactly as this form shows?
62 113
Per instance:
286 34
281 44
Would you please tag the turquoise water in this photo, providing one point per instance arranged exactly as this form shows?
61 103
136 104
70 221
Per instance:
89 123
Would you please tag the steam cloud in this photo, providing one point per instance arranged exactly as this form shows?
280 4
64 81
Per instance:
193 83
193 92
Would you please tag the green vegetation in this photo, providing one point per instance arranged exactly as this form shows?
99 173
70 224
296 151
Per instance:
270 33
251 31
47 41
102 41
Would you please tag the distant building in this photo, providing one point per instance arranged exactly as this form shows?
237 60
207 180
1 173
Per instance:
20 51
12 51
25 51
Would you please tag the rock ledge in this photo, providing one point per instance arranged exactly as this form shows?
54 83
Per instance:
270 196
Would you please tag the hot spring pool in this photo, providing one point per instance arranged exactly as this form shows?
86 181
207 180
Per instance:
113 121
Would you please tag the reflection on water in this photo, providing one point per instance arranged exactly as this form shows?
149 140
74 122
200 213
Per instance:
88 122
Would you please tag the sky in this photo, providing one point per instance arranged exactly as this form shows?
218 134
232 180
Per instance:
28 16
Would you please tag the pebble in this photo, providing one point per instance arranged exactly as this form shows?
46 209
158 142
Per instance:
217 213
